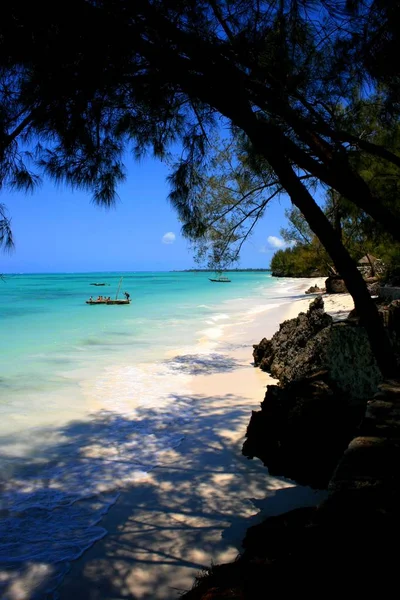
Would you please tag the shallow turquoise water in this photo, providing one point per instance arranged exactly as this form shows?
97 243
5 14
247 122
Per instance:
88 399
45 316
48 332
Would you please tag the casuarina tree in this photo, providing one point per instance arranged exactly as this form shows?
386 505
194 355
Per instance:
82 82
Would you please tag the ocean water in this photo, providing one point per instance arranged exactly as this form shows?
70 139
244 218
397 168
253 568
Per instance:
89 401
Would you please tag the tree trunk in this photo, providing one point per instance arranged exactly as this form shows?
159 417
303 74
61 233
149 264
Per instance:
337 174
345 265
337 217
336 171
270 144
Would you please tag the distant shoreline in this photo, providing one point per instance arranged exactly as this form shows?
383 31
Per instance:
13 273
224 271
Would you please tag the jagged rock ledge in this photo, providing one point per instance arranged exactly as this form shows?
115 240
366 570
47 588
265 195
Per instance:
326 373
302 429
313 343
345 545
314 289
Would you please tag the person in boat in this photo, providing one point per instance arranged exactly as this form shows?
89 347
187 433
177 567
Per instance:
91 299
127 296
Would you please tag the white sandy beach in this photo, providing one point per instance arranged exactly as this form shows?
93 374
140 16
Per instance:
196 507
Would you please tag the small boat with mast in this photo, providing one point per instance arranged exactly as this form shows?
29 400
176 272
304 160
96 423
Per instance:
103 300
219 278
99 284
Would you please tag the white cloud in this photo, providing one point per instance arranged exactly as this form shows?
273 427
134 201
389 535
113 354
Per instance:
276 242
168 238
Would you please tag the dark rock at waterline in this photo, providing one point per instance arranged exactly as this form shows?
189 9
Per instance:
301 430
326 371
335 285
313 342
276 536
325 558
347 543
293 335
314 289
390 315
262 353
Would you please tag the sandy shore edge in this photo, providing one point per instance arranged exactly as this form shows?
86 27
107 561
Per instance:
337 305
195 508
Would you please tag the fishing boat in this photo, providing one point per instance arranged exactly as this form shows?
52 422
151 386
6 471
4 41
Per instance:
99 284
109 300
220 279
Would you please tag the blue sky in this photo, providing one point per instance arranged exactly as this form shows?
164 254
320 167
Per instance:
59 230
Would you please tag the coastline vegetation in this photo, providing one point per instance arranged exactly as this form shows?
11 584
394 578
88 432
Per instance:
231 270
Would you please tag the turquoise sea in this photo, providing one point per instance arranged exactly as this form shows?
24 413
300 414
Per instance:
89 402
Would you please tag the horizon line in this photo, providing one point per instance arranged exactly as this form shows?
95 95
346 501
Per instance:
190 270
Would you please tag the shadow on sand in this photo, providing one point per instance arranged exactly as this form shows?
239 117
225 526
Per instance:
192 508
207 364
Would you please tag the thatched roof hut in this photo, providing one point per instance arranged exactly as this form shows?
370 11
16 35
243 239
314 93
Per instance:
368 259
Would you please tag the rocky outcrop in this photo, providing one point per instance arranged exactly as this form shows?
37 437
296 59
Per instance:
311 343
301 430
391 318
374 288
314 289
326 371
258 570
345 545
335 285
348 358
262 353
390 315
279 355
